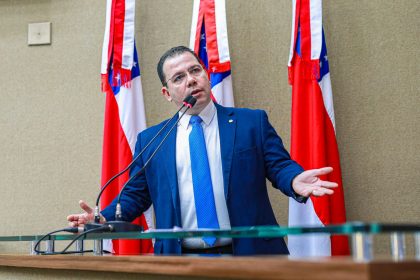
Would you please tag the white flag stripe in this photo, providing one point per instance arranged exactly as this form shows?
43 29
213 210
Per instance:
316 28
133 121
292 45
307 244
149 215
325 85
131 111
221 31
196 8
128 41
223 92
105 46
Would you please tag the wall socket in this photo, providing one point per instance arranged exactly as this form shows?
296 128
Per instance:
39 33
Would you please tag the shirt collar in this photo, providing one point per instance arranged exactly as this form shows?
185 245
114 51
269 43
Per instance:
207 115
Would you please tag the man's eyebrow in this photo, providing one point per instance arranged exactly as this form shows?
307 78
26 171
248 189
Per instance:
189 68
177 73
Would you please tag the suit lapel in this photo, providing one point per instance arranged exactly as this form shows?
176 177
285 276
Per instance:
227 129
169 151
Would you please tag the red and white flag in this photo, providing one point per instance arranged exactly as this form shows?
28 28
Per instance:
124 111
313 143
210 42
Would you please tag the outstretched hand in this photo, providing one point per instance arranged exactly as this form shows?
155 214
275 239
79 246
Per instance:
308 183
76 220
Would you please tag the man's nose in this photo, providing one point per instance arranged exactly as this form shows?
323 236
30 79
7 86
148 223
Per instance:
191 79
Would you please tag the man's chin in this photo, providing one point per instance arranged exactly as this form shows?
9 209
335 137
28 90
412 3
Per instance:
194 111
198 107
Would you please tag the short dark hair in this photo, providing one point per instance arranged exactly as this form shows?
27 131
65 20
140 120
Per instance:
175 51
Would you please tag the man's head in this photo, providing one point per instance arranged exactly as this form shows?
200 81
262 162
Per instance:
182 74
175 51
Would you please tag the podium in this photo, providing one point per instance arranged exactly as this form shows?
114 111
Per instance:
166 267
361 265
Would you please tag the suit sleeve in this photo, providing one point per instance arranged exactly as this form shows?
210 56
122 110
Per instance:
279 167
136 198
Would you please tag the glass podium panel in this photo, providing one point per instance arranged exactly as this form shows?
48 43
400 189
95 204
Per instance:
360 235
238 232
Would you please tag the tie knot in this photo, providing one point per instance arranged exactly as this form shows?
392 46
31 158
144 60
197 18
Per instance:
195 120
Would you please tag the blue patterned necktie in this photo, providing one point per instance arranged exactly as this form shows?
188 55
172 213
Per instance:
203 188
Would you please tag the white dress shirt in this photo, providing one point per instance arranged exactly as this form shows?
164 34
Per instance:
185 185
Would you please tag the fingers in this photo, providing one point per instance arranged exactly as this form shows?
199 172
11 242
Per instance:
316 191
72 217
327 184
76 220
73 220
321 188
73 224
322 192
85 207
320 171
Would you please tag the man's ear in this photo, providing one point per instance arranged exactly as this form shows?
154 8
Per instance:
166 94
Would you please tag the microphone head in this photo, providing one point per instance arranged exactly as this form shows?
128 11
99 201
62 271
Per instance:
191 102
186 100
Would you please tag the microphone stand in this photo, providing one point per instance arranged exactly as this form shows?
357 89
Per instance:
118 225
104 187
122 226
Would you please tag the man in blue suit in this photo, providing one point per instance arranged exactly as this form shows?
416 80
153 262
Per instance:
243 150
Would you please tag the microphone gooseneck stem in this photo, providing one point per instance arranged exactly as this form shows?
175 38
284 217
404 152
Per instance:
96 214
189 104
118 212
186 102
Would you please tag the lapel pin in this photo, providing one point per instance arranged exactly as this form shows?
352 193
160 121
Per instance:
231 121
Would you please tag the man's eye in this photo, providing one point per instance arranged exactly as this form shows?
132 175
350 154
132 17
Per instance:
178 78
196 70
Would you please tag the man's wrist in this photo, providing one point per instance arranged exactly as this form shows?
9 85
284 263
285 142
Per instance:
299 198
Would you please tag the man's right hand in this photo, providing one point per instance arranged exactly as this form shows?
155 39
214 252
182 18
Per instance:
76 220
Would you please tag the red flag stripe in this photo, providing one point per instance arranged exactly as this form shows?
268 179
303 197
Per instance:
118 27
116 156
313 141
207 7
116 152
118 55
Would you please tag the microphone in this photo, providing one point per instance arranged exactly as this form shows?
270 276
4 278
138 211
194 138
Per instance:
120 226
185 103
74 229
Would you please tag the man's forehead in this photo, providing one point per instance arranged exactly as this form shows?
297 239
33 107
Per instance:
180 60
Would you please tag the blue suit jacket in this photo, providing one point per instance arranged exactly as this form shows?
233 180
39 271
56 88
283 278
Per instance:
251 151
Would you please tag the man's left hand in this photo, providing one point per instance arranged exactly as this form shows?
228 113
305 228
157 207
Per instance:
308 183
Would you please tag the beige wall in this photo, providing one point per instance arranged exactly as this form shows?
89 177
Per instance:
51 114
